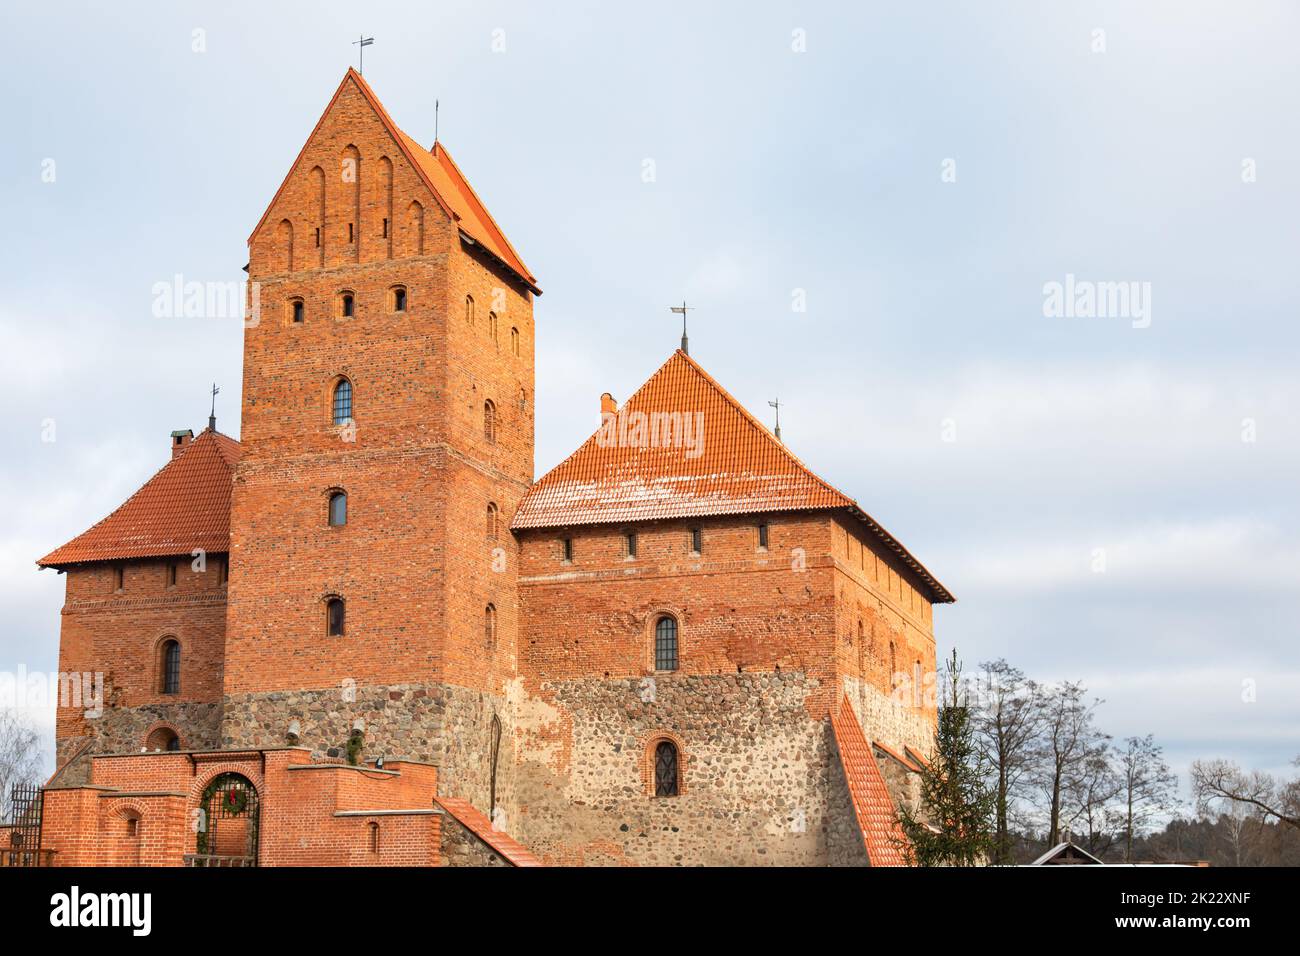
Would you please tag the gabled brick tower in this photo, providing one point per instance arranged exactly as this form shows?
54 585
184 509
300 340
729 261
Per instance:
391 362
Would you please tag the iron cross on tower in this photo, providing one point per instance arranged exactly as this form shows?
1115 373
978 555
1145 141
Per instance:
212 416
681 309
361 45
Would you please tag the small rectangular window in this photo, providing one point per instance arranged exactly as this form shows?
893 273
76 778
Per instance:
171 574
318 237
568 549
119 578
221 571
697 541
631 544
762 535
297 310
385 227
350 237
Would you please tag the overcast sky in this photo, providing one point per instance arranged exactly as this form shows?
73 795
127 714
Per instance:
916 173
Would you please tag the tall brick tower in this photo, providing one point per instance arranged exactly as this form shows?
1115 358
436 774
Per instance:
391 361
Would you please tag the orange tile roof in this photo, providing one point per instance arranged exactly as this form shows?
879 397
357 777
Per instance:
874 808
512 850
723 461
444 179
185 506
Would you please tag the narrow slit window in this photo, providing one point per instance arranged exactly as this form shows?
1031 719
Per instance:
171 667
489 421
491 521
343 402
334 618
469 309
399 299
568 550
338 512
630 539
666 643
697 541
171 574
318 237
514 341
385 227
119 578
348 305
351 237
299 312
762 535
490 625
666 769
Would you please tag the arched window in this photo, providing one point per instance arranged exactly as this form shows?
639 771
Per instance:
374 836
347 303
297 310
399 299
170 678
164 738
469 309
342 402
490 624
492 326
514 341
666 769
339 508
491 521
666 643
334 617
489 421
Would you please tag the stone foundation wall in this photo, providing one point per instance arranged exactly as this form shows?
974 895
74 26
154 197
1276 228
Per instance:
438 723
460 847
757 772
124 729
888 721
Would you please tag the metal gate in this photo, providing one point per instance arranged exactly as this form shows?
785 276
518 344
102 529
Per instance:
27 806
227 824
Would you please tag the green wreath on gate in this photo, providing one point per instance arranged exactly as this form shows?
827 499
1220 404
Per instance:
234 803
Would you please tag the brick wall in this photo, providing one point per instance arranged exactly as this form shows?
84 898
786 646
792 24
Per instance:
119 634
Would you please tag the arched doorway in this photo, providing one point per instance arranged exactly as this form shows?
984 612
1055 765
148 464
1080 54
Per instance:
227 823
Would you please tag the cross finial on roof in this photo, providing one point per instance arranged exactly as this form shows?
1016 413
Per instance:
361 45
777 405
682 309
212 416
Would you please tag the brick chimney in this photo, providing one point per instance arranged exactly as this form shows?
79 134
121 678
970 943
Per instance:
607 406
180 439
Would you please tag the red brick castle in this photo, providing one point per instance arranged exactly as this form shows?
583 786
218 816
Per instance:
363 634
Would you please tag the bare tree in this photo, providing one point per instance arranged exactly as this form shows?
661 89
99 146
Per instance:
1069 739
1149 787
1088 801
1220 780
20 756
1007 722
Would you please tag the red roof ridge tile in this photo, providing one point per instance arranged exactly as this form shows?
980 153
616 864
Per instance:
514 852
882 835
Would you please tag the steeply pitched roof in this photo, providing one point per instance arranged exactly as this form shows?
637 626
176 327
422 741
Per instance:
874 808
510 849
185 506
443 177
698 453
